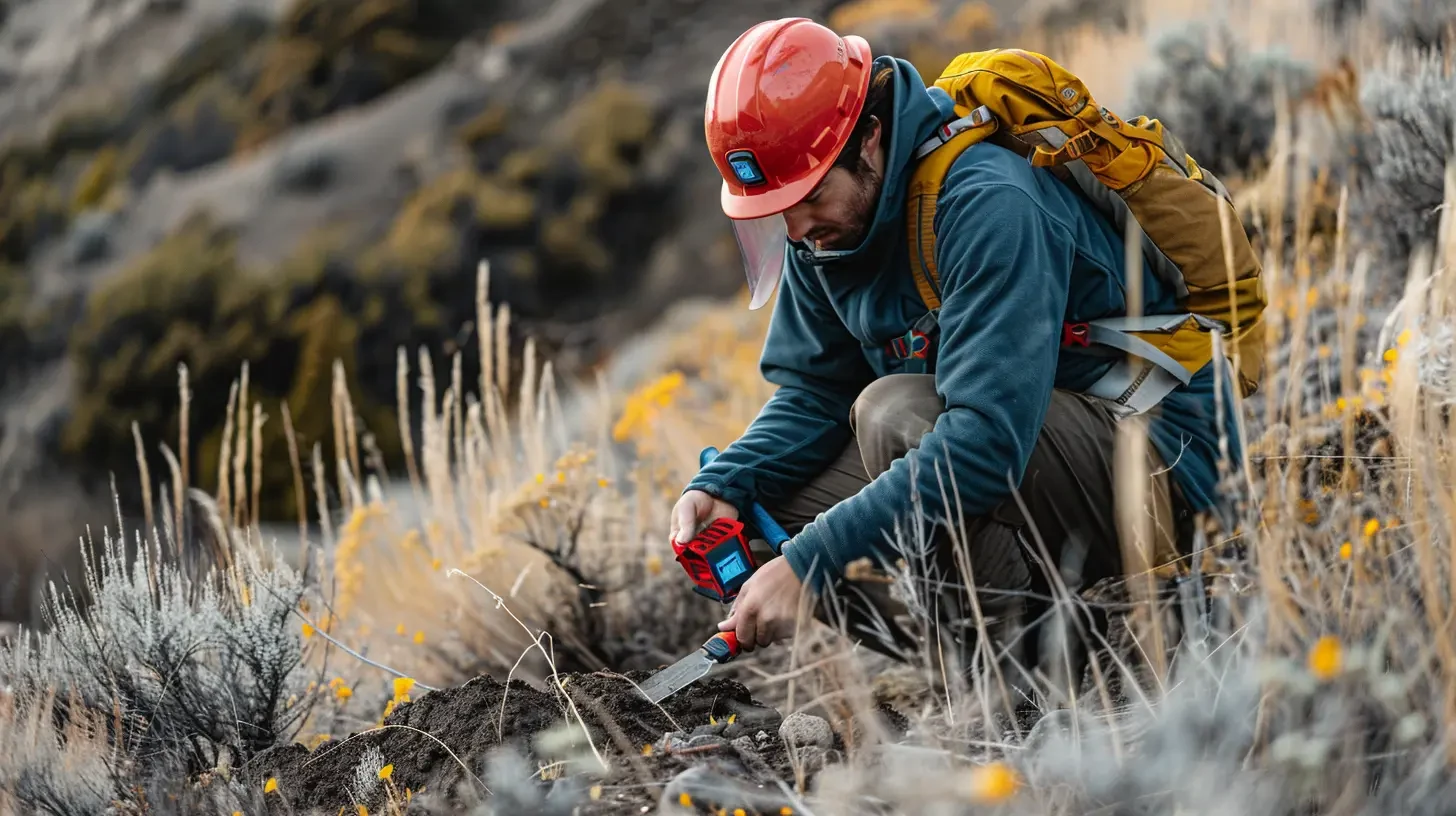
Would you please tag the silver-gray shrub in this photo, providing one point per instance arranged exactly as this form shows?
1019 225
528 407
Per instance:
1410 102
193 674
1421 23
1217 97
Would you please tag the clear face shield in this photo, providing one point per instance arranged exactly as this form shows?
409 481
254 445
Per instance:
763 243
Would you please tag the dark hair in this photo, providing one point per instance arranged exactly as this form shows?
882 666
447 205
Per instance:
879 103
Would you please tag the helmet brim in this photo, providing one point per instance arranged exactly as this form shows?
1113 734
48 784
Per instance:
776 200
770 202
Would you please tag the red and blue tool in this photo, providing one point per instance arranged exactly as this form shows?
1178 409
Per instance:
719 559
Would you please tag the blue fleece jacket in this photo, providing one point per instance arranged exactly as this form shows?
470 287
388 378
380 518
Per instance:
1018 252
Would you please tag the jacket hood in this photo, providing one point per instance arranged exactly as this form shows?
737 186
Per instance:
918 112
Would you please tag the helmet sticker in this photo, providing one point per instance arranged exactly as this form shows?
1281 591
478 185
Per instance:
745 168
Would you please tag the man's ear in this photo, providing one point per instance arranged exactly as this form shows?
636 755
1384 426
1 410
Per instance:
869 147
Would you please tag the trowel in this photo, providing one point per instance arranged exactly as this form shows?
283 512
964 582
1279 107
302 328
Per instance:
720 648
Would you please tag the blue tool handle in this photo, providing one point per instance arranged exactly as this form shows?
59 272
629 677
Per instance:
771 530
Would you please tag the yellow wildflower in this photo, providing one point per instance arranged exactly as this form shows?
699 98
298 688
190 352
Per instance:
271 785
1325 657
545 502
1372 527
1347 550
1390 355
685 799
786 811
601 483
540 478
560 477
435 564
402 686
996 782
1403 338
387 771
307 631
642 407
399 630
344 692
419 637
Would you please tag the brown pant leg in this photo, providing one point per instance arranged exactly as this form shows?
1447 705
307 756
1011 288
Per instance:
1069 527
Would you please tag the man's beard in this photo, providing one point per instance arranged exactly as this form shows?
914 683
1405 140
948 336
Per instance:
862 209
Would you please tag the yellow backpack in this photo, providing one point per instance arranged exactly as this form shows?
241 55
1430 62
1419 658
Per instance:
1027 103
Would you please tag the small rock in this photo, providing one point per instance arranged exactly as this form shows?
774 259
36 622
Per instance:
677 741
713 791
708 729
800 730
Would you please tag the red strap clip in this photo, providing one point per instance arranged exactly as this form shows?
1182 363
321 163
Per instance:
1074 334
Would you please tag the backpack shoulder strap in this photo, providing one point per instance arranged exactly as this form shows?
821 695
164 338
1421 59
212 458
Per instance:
933 158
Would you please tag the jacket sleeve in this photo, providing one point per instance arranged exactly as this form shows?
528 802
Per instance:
1004 266
819 368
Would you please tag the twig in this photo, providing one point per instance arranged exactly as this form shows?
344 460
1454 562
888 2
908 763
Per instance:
351 737
555 676
326 636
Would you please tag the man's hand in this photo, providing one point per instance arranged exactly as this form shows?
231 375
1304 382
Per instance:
694 510
767 607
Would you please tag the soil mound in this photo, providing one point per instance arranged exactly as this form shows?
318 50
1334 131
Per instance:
641 741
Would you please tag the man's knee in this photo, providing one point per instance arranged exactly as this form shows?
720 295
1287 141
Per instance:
891 415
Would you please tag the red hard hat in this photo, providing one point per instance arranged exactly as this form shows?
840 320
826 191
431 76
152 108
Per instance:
782 102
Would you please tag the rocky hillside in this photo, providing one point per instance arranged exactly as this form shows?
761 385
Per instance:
208 182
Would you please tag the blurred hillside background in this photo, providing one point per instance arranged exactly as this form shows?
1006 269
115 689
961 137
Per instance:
287 183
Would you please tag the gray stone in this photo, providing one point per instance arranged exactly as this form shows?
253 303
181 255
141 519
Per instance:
678 741
800 730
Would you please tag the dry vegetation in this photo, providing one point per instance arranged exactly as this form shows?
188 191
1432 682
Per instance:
1309 662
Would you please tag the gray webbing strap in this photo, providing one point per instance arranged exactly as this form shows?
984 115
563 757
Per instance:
1134 386
946 132
1114 205
1138 347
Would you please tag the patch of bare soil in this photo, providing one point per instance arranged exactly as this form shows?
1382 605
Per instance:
715 723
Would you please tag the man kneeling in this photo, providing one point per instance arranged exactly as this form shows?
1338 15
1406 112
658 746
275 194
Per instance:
932 382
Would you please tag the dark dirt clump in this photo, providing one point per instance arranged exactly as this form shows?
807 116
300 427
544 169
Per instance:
475 718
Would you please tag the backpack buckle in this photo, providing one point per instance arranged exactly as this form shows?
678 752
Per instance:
1075 334
912 345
